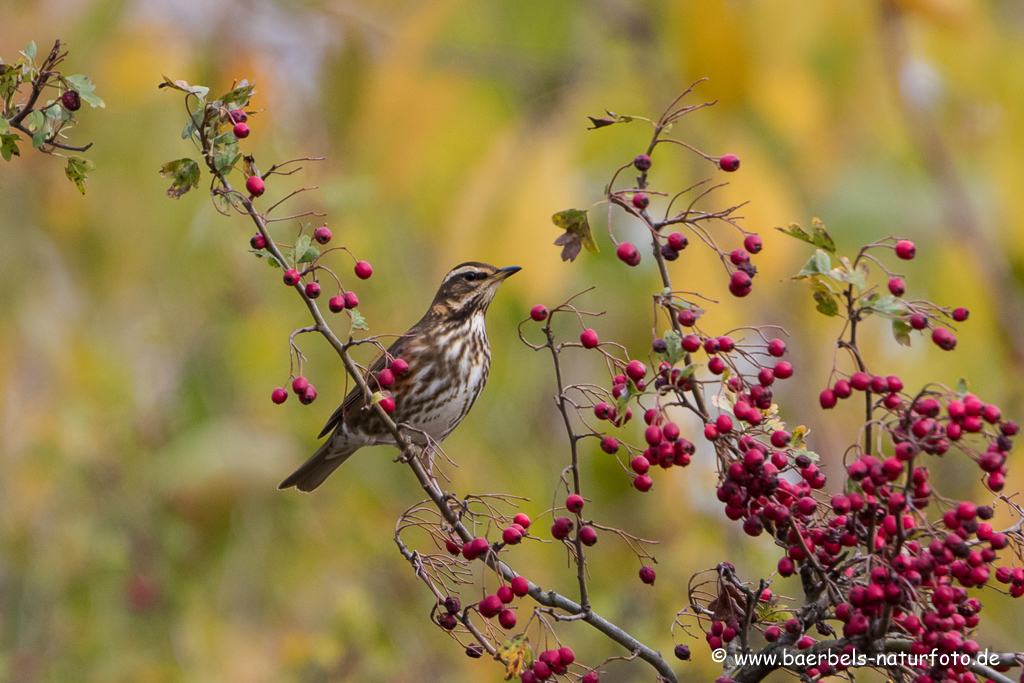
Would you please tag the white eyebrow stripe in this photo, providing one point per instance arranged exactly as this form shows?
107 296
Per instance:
461 271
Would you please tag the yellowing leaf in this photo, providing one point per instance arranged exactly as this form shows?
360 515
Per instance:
577 233
516 654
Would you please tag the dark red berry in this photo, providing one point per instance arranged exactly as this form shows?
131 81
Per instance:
740 284
238 116
258 241
647 574
943 338
308 396
291 277
539 313
677 241
241 130
682 652
452 604
279 395
918 321
71 100
322 235
300 384
960 314
729 162
643 483
588 536
642 162
351 300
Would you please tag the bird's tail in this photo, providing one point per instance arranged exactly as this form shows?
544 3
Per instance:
314 471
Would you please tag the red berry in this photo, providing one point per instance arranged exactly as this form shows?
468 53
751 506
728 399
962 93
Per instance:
687 318
739 257
313 290
238 116
490 606
640 464
783 370
279 395
860 381
322 235
258 241
918 321
589 339
610 445
842 389
636 370
388 404
291 277
776 347
336 304
591 677
827 399
254 185
647 574
386 377
729 162
894 384
300 384
539 313
574 503
399 366
943 338
308 396
753 244
364 270
522 520
640 200
740 284
642 162
906 250
511 536
723 424
520 586
588 536
677 241
960 314
566 656
351 300
772 633
643 483
628 254
241 130
897 287
507 618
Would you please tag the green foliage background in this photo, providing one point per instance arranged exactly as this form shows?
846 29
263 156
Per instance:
141 535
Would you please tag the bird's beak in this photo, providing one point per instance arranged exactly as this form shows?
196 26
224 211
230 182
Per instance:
504 273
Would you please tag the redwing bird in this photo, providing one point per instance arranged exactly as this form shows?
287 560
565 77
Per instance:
449 358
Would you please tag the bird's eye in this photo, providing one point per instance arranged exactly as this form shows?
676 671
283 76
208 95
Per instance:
470 276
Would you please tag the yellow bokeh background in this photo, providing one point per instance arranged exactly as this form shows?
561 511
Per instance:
141 535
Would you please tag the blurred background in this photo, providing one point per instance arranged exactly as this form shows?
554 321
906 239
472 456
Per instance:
141 535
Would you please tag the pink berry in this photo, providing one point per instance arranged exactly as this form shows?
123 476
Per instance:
490 606
511 536
388 404
308 396
776 347
897 287
299 385
729 162
783 370
943 338
574 503
520 586
753 244
589 339
386 377
906 250
322 235
522 520
566 656
336 304
628 254
279 395
291 277
960 314
363 270
647 574
918 321
740 284
399 366
723 423
860 381
351 300
827 399
739 257
640 200
258 241
610 445
254 185
313 290
238 116
643 483
539 313
636 370
588 536
241 130
505 594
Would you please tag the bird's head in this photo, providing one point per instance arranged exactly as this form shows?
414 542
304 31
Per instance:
468 288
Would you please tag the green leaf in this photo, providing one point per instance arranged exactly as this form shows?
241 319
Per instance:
796 231
890 305
86 90
196 119
689 370
826 300
818 264
858 278
184 174
30 50
961 387
225 158
36 121
39 139
901 331
674 353
301 245
263 253
358 321
310 254
577 233
4 126
198 90
820 236
240 94
76 171
9 146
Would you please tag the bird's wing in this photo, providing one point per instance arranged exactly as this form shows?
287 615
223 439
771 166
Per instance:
356 395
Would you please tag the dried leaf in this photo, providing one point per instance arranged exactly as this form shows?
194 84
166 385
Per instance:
577 233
